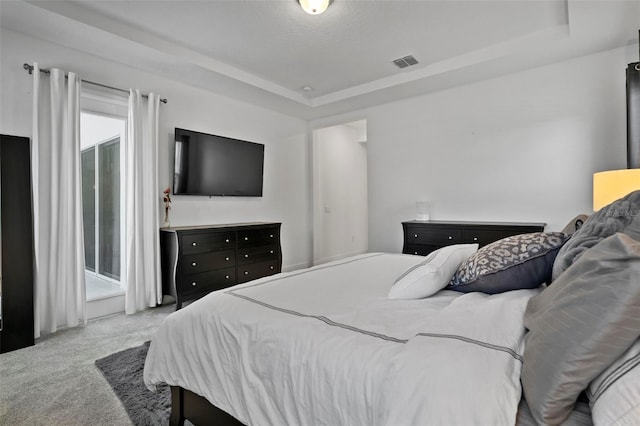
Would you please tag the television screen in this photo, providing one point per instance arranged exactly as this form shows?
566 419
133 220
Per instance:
207 164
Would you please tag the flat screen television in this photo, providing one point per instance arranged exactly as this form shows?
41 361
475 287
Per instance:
214 165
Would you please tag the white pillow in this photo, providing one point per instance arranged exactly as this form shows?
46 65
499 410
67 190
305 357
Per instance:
432 275
614 395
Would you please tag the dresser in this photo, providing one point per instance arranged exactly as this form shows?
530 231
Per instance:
423 237
197 260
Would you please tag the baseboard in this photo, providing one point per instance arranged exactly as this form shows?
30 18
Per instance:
289 268
105 306
338 257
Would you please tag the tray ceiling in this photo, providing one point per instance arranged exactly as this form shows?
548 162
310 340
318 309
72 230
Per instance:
274 54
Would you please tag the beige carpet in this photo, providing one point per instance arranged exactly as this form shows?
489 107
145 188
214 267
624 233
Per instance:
56 381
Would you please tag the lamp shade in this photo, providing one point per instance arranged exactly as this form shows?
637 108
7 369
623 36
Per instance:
612 185
314 7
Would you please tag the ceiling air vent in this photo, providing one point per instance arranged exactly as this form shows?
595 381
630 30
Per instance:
405 62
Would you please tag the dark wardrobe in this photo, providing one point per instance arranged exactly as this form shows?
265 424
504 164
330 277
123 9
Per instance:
16 233
633 114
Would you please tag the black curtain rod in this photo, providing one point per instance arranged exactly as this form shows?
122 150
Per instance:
47 72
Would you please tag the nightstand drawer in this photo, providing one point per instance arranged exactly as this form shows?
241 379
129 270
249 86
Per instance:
207 281
257 237
256 254
207 241
194 263
257 270
437 236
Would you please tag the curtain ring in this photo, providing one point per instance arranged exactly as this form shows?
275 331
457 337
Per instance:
637 67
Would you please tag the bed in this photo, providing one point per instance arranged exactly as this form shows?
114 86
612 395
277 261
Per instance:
329 346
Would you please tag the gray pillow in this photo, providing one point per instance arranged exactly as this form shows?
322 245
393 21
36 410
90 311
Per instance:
580 325
616 217
512 263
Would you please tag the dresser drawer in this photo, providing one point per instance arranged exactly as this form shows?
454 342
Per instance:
436 236
484 237
256 254
257 270
194 263
206 281
257 237
420 249
207 241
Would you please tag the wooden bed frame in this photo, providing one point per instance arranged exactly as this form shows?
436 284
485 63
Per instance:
186 405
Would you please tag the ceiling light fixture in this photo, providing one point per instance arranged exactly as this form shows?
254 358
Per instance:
314 7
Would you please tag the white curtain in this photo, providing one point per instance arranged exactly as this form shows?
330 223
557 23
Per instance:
144 286
57 200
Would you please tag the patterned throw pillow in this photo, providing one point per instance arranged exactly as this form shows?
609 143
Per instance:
513 263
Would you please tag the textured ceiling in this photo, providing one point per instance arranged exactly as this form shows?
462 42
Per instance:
266 51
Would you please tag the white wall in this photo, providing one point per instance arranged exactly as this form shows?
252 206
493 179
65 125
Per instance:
286 176
522 147
339 193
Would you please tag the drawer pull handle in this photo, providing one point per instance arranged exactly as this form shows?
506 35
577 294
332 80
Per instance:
475 238
226 277
415 235
194 244
226 241
415 252
451 238
193 263
246 255
226 259
271 236
246 272
271 267
246 238
193 283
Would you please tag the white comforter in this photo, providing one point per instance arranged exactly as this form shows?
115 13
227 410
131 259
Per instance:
324 346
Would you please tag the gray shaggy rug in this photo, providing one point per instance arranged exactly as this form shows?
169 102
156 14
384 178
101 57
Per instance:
123 371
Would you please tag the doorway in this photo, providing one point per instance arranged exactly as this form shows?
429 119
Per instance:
340 201
102 205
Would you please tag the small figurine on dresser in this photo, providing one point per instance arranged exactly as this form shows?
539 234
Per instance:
167 205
